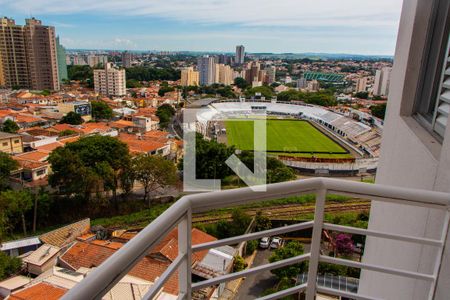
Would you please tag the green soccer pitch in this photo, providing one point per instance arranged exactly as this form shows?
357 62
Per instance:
286 137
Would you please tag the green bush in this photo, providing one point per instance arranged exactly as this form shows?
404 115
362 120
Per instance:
250 247
239 264
8 265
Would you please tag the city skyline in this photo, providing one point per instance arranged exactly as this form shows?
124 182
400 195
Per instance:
352 27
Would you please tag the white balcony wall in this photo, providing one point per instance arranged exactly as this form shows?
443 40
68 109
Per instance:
410 157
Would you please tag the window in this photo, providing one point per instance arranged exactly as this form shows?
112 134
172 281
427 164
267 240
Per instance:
433 102
16 141
5 144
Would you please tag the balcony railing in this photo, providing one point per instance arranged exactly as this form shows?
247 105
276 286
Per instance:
106 276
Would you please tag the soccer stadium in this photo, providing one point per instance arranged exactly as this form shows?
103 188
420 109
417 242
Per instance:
306 137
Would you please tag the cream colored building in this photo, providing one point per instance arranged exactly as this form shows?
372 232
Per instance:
110 81
361 84
10 143
189 77
313 86
224 74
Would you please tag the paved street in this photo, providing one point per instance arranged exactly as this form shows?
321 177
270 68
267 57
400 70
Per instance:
254 286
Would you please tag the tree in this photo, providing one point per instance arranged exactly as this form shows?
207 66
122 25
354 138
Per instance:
90 165
67 132
154 172
265 91
165 89
7 165
101 110
379 110
276 170
165 113
10 126
210 159
19 203
81 73
291 249
239 223
72 118
142 73
344 244
240 83
262 222
9 265
362 95
133 83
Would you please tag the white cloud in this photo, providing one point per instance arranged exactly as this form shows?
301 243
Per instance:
309 13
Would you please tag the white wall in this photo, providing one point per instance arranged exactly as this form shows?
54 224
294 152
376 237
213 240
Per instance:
410 157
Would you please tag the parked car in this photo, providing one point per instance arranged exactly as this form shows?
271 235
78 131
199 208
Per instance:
264 242
276 243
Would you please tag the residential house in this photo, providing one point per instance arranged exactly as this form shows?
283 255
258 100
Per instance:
41 260
138 144
11 143
12 284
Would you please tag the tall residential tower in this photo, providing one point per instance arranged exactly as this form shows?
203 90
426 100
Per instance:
240 55
28 55
206 66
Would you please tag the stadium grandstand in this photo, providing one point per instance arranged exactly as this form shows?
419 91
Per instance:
328 77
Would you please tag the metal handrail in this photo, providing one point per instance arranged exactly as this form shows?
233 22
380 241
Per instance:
108 274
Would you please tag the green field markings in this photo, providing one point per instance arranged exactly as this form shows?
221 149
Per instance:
286 137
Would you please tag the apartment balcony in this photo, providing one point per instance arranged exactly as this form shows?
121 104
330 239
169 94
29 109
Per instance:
103 278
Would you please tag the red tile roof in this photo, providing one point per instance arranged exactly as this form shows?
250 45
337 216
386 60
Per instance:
32 156
89 255
39 291
137 145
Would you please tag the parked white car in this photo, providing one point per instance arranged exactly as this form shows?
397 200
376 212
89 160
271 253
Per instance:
264 242
276 243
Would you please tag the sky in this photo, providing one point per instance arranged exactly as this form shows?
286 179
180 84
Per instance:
278 26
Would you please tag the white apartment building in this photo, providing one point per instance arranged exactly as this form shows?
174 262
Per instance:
206 66
110 81
382 80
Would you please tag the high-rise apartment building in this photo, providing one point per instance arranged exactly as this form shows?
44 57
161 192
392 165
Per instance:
206 66
302 83
189 77
225 59
28 55
313 86
95 60
110 81
252 72
270 74
224 74
126 59
382 80
62 66
361 84
240 55
13 56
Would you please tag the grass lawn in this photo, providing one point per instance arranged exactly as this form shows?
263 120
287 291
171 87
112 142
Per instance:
285 136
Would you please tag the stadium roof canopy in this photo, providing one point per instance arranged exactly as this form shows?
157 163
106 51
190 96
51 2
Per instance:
329 77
